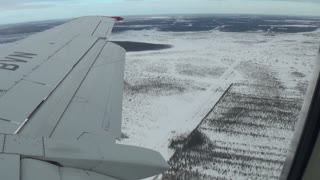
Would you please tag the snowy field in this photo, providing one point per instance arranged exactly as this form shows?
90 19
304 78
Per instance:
220 100
169 92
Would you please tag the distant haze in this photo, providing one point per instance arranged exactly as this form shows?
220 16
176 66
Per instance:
14 11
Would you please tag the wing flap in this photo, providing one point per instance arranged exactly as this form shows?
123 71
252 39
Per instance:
32 169
23 98
10 166
93 105
45 120
97 105
35 170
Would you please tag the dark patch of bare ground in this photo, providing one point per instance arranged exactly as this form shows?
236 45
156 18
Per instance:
160 86
185 158
200 71
245 136
298 74
302 87
260 75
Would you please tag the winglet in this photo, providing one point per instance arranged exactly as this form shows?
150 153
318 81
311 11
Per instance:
117 18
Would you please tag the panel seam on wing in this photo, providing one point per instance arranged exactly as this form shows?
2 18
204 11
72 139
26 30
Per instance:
96 28
54 88
77 89
17 82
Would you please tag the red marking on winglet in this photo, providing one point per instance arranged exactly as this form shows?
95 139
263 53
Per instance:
117 18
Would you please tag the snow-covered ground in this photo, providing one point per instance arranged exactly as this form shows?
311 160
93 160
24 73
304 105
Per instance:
169 92
229 99
178 86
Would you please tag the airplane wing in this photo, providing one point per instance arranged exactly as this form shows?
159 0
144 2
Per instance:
60 107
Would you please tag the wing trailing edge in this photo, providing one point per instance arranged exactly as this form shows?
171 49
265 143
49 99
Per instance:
105 158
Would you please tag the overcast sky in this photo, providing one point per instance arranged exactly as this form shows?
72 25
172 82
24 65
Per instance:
12 11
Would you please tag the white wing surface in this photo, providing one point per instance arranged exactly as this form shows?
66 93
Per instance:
61 99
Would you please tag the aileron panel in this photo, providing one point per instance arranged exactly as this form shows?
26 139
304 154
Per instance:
103 30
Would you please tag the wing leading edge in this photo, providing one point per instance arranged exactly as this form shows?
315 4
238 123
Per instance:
61 89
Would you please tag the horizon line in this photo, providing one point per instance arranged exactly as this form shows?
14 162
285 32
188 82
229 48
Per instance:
178 14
